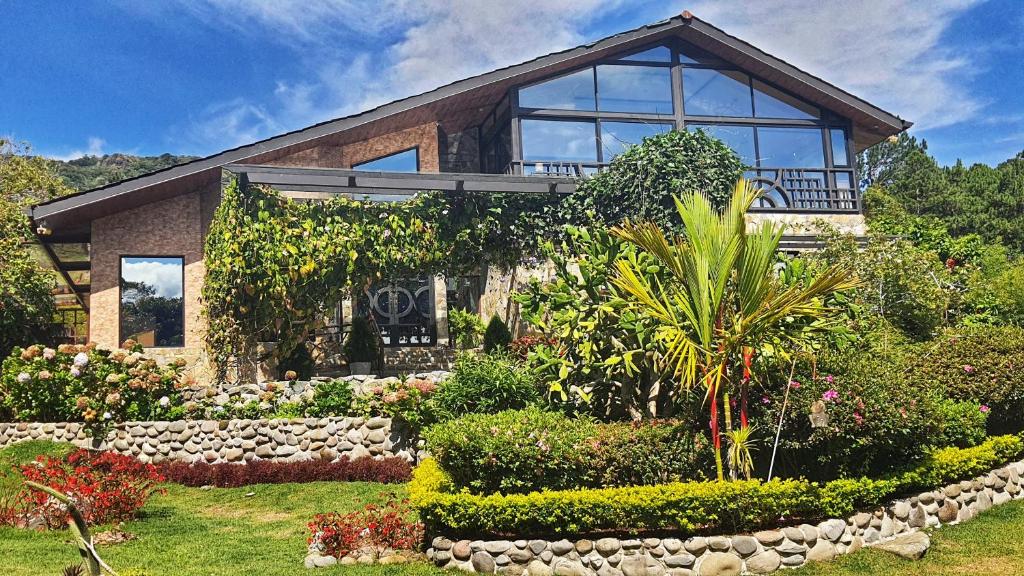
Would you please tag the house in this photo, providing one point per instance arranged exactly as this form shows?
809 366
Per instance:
534 126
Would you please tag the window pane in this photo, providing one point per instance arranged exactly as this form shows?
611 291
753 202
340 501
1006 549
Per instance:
658 54
739 138
791 147
555 140
407 161
839 157
772 103
634 89
715 93
617 136
843 180
152 307
570 92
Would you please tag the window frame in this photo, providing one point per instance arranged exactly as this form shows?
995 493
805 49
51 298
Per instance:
415 149
120 298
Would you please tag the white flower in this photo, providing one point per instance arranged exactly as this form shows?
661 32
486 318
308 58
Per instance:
165 401
106 416
24 377
75 371
81 359
49 353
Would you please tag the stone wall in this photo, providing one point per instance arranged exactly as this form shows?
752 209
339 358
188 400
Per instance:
759 553
232 440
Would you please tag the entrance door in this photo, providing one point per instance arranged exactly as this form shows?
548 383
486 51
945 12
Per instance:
404 311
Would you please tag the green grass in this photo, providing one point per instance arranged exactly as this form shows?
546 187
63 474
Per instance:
993 543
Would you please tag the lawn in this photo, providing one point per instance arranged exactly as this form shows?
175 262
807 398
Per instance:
190 531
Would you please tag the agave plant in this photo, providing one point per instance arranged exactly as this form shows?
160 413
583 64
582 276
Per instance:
722 301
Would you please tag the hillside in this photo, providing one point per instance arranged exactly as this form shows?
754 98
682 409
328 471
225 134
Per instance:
90 172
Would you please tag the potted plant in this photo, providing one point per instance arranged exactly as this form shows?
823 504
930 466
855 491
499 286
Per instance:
361 347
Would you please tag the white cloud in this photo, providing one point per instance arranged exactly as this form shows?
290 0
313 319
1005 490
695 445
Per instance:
94 147
889 52
163 274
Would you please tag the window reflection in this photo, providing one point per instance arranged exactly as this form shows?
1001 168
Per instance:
570 92
838 137
641 89
658 54
739 138
785 147
617 136
557 140
405 161
152 303
716 93
770 102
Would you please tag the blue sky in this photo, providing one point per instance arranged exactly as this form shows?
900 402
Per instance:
200 76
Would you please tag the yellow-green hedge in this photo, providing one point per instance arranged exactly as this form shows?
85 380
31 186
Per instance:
683 506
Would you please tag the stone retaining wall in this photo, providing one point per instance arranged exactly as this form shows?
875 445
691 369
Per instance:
232 440
759 553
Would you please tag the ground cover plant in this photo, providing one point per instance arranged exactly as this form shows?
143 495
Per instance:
230 475
374 529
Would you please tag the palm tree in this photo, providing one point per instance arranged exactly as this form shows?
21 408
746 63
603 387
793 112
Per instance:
723 300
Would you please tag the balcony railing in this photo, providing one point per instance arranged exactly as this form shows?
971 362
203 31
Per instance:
808 190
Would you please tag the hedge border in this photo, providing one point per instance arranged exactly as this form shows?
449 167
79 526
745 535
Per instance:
684 507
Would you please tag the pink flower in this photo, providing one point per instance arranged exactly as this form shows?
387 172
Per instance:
766 400
794 384
830 395
984 408
830 379
968 368
49 353
858 418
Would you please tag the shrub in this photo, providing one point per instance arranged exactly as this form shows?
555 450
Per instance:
497 336
226 475
982 365
530 449
513 451
375 527
331 398
299 364
106 487
405 401
465 328
361 344
963 423
85 383
684 506
485 384
522 346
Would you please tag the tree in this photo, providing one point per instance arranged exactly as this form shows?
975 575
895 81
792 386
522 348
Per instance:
26 300
722 301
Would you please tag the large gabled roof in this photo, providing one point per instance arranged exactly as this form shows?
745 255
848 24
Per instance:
871 123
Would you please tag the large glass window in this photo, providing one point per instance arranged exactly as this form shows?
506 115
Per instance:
405 161
559 141
716 93
839 156
739 138
640 89
770 102
790 147
657 54
617 136
570 92
152 303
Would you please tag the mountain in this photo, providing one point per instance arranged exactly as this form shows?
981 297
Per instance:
90 172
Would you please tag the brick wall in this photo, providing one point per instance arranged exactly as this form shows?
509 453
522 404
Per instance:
424 136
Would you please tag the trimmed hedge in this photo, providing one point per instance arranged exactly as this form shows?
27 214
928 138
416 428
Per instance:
228 475
683 506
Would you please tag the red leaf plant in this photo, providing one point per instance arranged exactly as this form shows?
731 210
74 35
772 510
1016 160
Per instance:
375 528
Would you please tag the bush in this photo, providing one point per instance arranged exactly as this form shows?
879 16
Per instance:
683 507
982 365
464 328
963 423
106 487
298 365
522 346
377 528
405 401
523 450
485 384
85 383
331 398
225 475
361 344
497 336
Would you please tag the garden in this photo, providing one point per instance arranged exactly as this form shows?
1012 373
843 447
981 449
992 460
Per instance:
682 399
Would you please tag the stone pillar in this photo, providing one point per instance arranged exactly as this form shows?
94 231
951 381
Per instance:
441 309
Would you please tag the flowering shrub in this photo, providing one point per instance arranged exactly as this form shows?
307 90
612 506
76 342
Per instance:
375 529
224 475
105 487
522 346
87 384
404 401
485 384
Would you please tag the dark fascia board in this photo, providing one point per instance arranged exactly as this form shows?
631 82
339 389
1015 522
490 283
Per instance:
337 180
635 36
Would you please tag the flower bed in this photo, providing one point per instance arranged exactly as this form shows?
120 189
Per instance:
388 470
